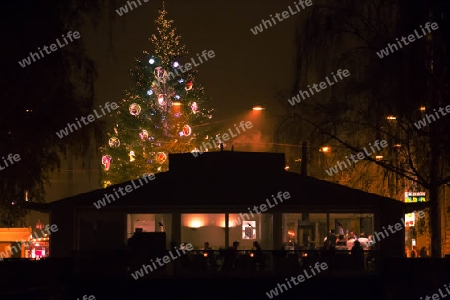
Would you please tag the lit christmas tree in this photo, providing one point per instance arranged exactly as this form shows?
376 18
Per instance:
161 114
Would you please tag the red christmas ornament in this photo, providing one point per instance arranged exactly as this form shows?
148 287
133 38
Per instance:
161 157
187 130
135 109
106 161
39 225
189 86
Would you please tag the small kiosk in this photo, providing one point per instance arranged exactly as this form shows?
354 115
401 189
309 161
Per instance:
10 242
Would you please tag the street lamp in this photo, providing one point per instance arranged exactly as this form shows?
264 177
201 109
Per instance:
325 149
258 107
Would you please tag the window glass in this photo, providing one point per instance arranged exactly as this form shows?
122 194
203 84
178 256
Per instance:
150 223
304 230
200 228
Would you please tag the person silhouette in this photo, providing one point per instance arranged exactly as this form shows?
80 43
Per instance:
357 254
230 260
423 252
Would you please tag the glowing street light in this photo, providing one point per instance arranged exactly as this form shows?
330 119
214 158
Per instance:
379 157
325 149
391 118
422 108
176 103
258 107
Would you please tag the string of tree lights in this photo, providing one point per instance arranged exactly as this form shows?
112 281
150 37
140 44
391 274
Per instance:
159 114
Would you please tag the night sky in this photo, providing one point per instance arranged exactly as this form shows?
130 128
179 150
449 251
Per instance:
248 69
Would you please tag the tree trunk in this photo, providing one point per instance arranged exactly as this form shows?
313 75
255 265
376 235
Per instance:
434 192
435 222
435 154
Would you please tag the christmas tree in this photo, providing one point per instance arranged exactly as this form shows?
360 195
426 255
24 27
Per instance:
161 114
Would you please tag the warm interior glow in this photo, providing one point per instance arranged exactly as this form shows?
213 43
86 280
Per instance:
391 118
286 168
195 223
230 223
422 108
258 107
202 220
379 157
176 103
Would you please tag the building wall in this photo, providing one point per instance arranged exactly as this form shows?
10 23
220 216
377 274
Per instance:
394 244
100 233
62 241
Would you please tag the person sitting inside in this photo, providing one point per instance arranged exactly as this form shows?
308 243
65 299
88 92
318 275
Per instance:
357 254
330 240
230 260
350 242
256 249
257 252
370 242
234 248
423 252
256 246
364 242
341 243
414 253
208 254
206 246
207 250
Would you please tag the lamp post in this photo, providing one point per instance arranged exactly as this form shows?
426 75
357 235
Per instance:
259 112
258 107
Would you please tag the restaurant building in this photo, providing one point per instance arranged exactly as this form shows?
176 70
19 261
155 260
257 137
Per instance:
212 198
